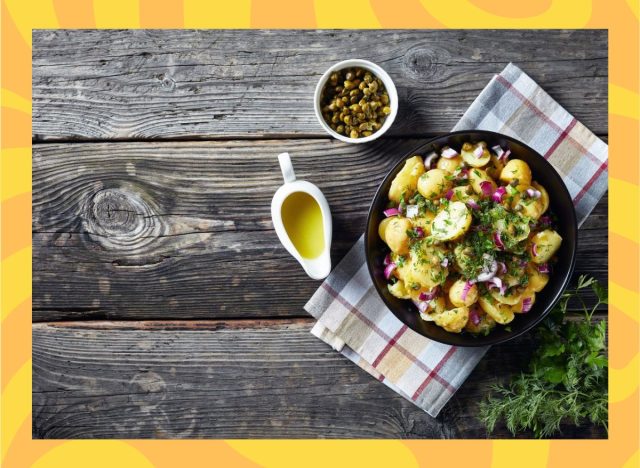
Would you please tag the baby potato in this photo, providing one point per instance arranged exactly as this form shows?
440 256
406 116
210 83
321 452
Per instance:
425 267
436 306
433 184
451 222
477 177
537 280
544 197
396 235
501 313
469 157
382 227
544 244
399 290
456 293
530 295
449 164
453 320
484 326
424 221
516 169
494 168
406 181
402 267
509 299
526 205
461 193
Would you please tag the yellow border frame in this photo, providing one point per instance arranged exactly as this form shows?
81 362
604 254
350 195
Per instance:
19 17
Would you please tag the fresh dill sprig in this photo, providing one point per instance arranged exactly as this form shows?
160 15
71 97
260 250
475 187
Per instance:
567 378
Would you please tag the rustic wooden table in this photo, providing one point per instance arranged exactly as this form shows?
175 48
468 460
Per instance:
163 303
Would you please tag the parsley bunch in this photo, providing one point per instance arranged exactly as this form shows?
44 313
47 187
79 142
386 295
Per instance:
567 378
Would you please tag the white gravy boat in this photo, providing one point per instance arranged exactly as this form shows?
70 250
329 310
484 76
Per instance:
319 266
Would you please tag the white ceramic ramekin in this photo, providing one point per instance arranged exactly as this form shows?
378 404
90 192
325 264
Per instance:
377 71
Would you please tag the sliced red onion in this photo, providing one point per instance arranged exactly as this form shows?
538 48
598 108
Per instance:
388 270
474 316
544 268
498 194
545 220
449 194
428 296
412 211
428 161
478 151
486 275
522 263
471 203
498 240
526 304
419 232
505 155
391 212
533 193
444 263
464 173
449 153
534 250
497 283
502 268
498 150
465 290
387 260
423 306
486 188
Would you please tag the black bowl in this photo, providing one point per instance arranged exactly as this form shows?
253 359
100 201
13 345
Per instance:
560 204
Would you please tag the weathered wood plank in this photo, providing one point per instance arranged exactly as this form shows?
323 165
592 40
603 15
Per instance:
233 380
92 84
183 230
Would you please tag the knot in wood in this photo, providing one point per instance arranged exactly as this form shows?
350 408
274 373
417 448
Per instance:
426 63
122 219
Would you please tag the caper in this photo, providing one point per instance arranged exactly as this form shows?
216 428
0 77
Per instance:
354 102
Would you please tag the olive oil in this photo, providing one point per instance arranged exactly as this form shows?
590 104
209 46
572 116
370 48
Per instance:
302 220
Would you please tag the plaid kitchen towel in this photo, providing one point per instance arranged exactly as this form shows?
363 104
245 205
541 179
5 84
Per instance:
351 316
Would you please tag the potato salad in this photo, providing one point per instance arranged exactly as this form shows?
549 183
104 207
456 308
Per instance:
470 239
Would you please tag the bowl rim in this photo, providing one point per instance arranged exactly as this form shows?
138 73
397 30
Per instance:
565 282
376 70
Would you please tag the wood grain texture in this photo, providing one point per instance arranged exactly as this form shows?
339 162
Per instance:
183 230
222 84
253 379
